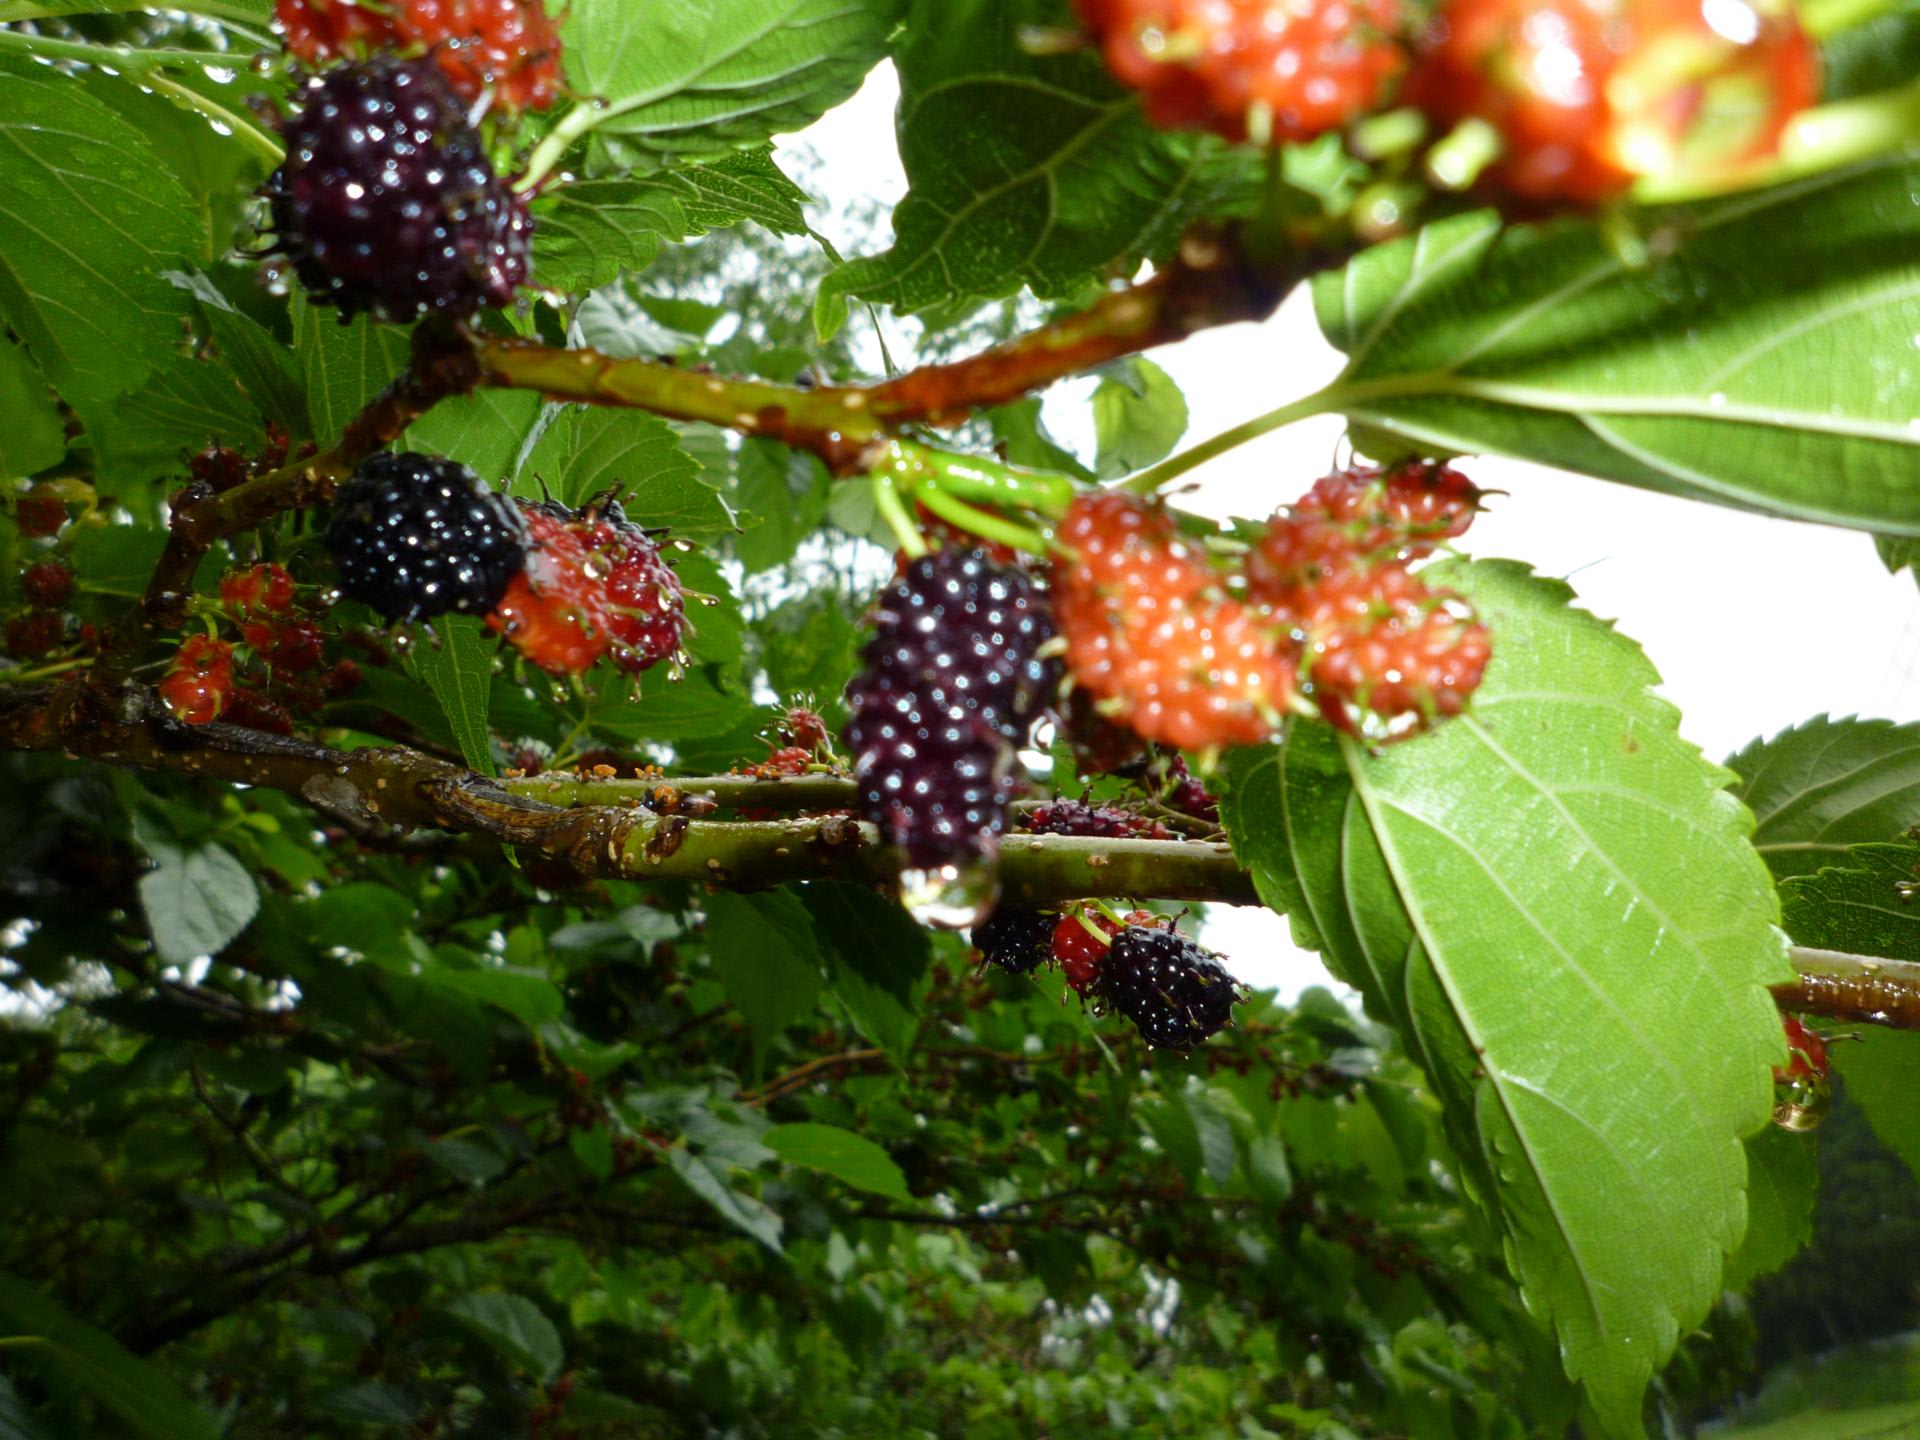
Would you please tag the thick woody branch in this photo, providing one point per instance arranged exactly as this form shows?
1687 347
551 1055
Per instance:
375 791
1210 283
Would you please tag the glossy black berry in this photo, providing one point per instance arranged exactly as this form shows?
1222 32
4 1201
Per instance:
1018 941
1176 993
387 202
414 536
951 684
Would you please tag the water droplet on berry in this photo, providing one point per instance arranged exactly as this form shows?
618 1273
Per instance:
1801 1103
950 897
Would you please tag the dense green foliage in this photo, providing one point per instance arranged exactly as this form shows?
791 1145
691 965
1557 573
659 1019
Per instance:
315 1127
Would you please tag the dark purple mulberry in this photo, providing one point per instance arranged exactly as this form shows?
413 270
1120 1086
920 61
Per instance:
414 536
1099 822
387 202
1018 941
952 682
1174 992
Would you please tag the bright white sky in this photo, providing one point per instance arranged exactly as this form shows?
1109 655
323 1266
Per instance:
1756 624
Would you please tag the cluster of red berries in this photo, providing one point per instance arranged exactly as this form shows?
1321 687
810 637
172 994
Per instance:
1251 68
1326 613
1590 95
1095 822
594 586
504 51
1175 993
281 656
1586 96
414 536
46 583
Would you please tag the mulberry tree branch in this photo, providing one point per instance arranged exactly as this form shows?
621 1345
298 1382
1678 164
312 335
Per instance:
442 365
648 830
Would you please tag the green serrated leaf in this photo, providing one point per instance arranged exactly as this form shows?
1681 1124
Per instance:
527 995
1139 416
765 954
1881 53
89 220
197 902
1765 359
687 79
782 496
1024 169
1861 907
34 437
73 1357
878 962
592 230
1550 898
485 431
1881 1071
1781 1184
1823 787
745 1212
459 671
516 1328
344 366
851 1159
584 452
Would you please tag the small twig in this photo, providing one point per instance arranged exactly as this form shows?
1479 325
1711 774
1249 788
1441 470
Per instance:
1856 989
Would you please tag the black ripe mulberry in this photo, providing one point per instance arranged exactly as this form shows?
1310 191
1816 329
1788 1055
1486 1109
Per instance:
1174 992
952 682
414 537
1100 822
387 202
1018 941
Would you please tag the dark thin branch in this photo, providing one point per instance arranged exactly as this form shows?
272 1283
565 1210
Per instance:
442 365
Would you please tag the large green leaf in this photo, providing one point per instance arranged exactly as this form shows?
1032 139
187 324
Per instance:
1861 908
587 451
89 220
1882 1075
766 955
1763 359
1025 169
34 438
74 1357
1552 898
851 1159
1781 1185
877 962
197 901
1827 785
593 229
682 79
516 1328
459 671
344 365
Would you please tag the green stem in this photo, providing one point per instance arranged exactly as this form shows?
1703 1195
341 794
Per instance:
14 11
576 123
975 478
143 67
976 521
1825 18
266 146
1824 138
1152 481
886 495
